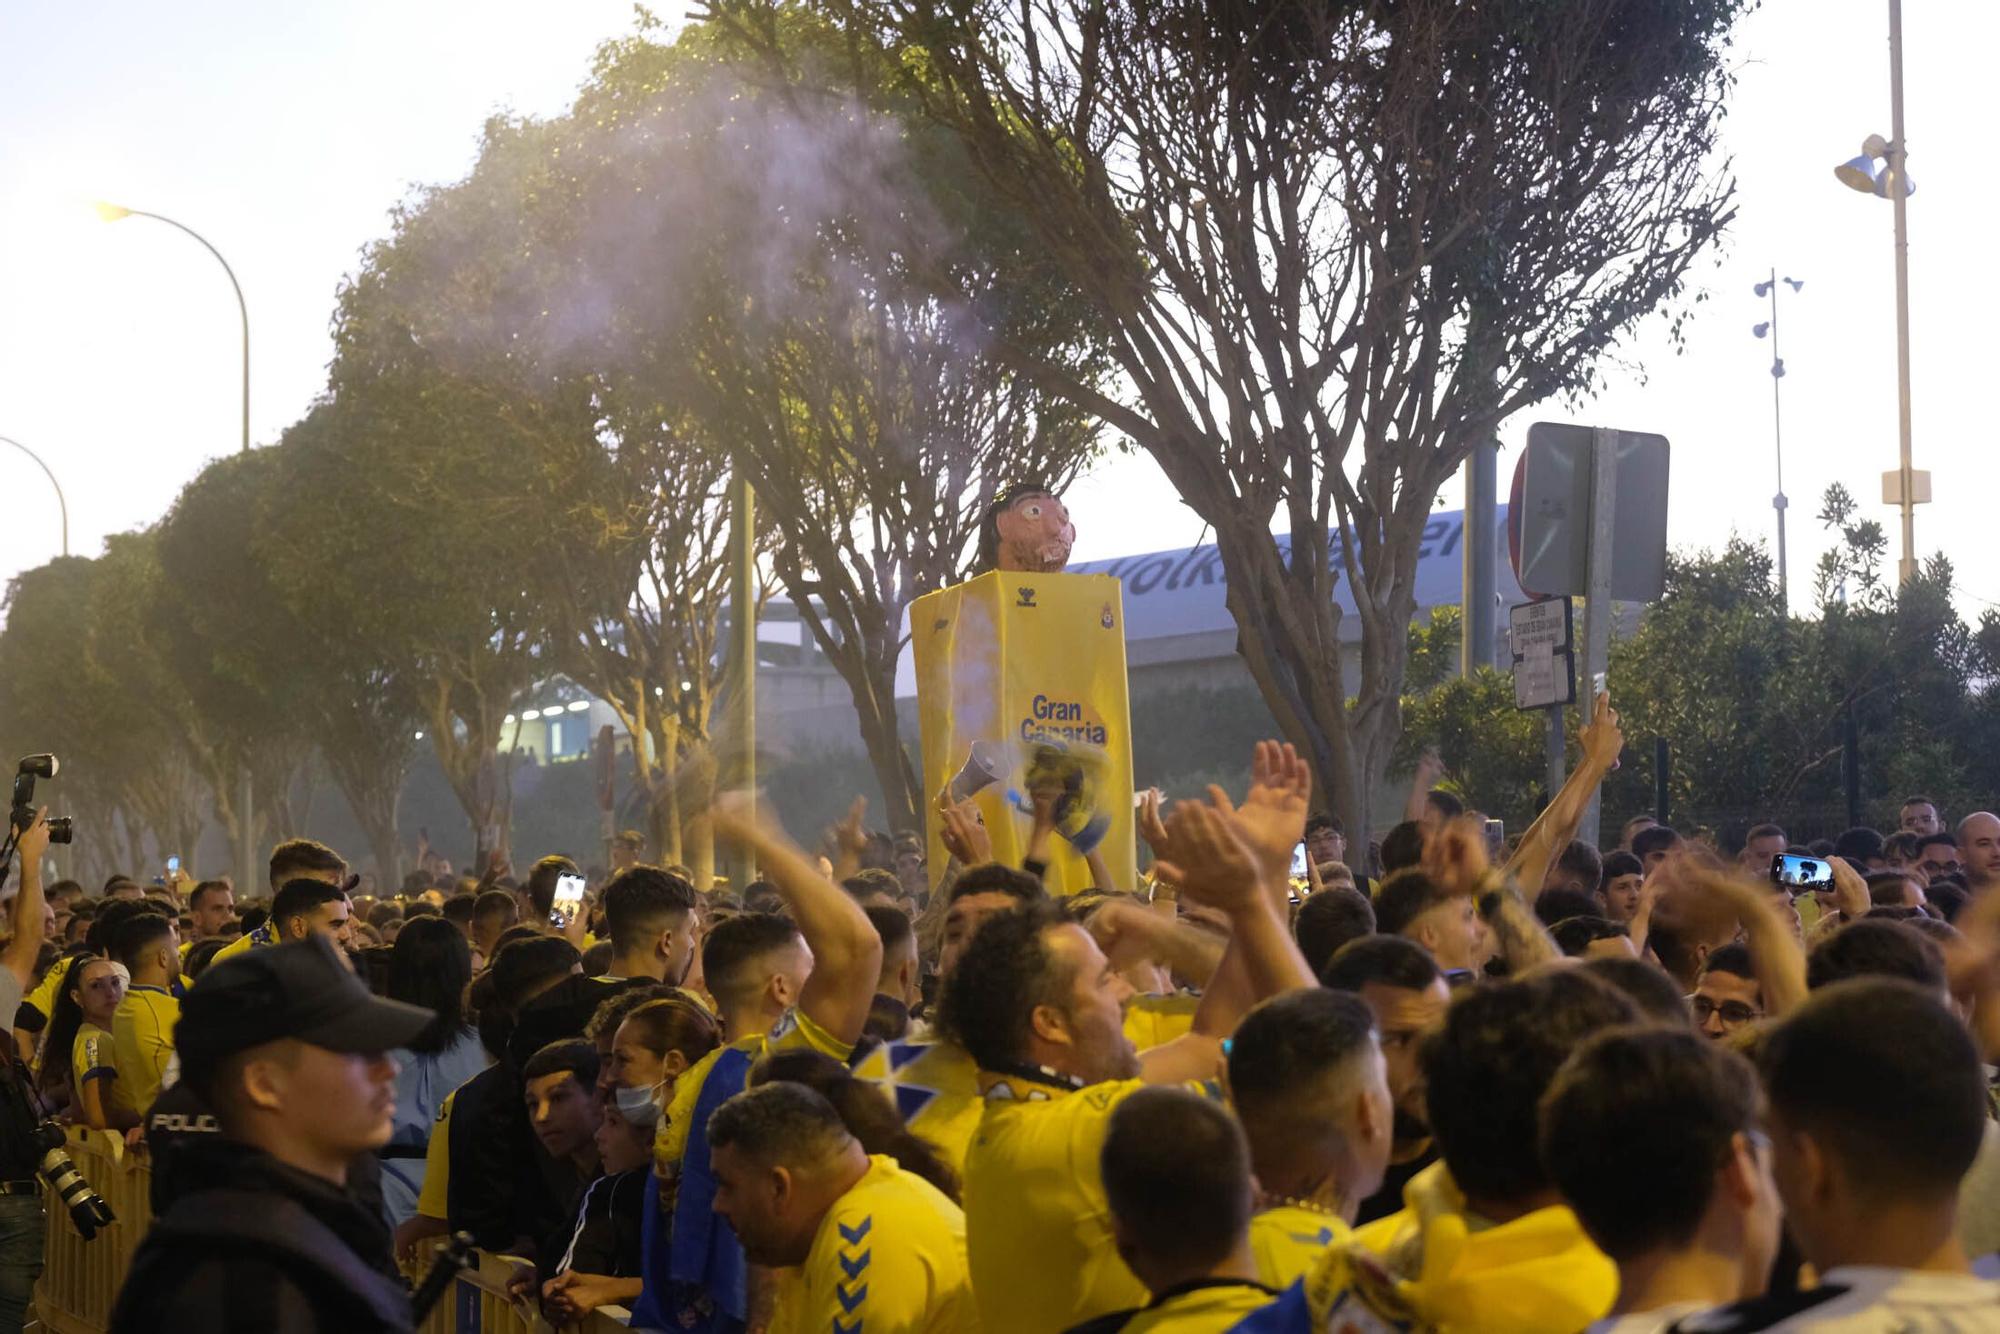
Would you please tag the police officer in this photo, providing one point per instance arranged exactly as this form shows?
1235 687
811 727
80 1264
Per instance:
290 1052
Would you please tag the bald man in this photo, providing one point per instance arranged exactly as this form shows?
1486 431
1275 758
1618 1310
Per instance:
1979 848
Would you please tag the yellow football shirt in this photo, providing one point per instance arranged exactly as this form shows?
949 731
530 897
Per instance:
1210 1308
1288 1240
1154 1021
43 997
142 1045
1038 1225
437 1164
243 944
935 1085
90 1055
795 1030
889 1255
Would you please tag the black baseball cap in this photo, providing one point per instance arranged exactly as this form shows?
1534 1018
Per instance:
301 990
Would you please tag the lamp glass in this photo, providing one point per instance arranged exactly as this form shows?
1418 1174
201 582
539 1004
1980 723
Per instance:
1857 174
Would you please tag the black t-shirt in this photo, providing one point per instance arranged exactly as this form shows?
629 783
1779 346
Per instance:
1389 1199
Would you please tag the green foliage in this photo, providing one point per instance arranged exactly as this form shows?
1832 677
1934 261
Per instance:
1750 700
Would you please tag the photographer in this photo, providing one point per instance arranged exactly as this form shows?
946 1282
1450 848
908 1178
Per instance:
21 1225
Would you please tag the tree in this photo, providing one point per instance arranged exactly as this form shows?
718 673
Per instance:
53 699
278 683
232 654
631 571
157 730
1496 753
412 522
1336 246
778 327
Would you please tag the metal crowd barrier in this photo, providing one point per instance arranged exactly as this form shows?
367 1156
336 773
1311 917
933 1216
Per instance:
80 1279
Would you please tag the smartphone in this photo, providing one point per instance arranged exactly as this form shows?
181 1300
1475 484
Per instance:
1299 870
568 901
1796 873
1496 836
174 865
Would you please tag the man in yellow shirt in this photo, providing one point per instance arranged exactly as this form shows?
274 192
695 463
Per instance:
877 1248
211 907
1040 1007
307 905
1177 1173
934 1081
1310 1088
803 980
1485 1244
142 1028
297 859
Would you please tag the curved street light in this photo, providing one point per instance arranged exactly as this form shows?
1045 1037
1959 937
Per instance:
246 853
61 503
114 212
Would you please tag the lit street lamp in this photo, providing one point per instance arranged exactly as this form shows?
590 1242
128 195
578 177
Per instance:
1905 488
246 853
61 504
113 212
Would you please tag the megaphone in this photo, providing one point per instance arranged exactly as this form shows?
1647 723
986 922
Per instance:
982 770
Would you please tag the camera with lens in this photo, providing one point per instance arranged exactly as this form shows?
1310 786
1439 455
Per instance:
87 1209
61 828
41 1138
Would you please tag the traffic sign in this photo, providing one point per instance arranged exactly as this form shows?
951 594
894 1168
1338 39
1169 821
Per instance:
1549 514
1541 636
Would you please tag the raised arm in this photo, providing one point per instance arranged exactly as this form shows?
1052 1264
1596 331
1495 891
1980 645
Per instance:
1235 859
1775 953
847 954
26 941
1456 858
1430 768
1557 824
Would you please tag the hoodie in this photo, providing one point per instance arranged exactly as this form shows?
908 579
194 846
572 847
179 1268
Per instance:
1435 1266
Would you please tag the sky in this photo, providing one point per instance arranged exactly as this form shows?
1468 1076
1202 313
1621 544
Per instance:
286 133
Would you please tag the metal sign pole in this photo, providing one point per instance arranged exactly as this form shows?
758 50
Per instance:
1558 761
1597 603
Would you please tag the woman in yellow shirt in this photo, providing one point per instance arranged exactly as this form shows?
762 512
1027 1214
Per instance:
78 1050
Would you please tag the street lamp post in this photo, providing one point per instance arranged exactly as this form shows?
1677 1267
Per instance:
1907 487
246 852
61 504
1769 288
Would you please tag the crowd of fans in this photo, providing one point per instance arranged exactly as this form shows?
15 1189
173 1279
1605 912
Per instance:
1434 1084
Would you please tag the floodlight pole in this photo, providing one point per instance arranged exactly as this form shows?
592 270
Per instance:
1899 191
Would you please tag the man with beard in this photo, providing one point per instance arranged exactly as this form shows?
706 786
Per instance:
1040 1008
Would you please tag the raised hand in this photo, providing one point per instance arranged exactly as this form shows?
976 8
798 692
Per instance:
34 842
741 819
847 840
1151 827
1456 857
964 832
1209 859
1850 890
1602 739
1272 818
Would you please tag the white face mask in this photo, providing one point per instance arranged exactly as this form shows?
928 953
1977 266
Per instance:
637 1106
